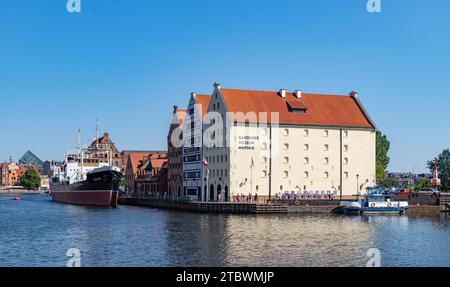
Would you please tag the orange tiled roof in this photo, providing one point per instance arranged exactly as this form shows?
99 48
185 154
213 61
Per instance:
203 101
323 110
136 158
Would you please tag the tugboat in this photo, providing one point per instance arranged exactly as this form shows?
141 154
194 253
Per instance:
375 201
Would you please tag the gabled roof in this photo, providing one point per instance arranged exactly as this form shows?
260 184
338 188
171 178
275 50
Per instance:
135 158
203 102
322 110
178 117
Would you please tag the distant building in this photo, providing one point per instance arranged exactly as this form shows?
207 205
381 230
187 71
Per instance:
144 173
52 167
106 151
4 174
13 174
151 176
31 158
175 152
124 155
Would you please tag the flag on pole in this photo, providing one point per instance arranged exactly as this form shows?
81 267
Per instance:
205 163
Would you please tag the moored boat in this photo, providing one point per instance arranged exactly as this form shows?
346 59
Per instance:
89 176
375 201
101 188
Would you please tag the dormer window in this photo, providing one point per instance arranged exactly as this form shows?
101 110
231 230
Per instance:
296 106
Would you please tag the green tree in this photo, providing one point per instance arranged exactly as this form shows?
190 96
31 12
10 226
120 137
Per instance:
123 183
443 163
382 155
381 172
31 179
423 183
387 183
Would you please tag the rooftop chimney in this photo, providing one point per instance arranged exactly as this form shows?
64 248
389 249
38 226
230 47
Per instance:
354 94
283 93
298 94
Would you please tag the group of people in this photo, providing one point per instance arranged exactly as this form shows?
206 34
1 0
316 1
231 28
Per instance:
242 198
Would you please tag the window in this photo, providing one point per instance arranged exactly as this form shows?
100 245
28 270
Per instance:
325 175
345 161
306 160
286 146
345 147
325 133
346 175
286 132
326 160
285 174
345 133
326 147
264 174
306 133
306 147
306 174
264 145
264 159
286 160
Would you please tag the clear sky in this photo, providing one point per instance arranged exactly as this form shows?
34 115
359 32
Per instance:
128 62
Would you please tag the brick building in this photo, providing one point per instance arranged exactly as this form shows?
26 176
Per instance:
175 152
4 175
146 173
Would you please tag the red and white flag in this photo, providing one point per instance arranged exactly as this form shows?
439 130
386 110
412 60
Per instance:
205 163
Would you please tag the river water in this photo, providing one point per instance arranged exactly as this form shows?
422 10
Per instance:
38 232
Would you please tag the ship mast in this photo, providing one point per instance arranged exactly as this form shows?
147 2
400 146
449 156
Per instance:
96 134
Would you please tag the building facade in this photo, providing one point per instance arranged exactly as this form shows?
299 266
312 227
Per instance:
31 158
193 147
146 173
175 152
4 174
267 143
106 151
151 178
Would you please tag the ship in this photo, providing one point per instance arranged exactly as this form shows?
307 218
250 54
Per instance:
91 176
375 201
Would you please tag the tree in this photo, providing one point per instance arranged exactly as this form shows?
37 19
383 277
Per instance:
443 164
30 179
382 155
423 183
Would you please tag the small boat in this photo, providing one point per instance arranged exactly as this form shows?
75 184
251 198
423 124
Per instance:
45 193
16 198
375 201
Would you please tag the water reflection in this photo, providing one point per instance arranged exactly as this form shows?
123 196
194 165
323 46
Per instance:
37 232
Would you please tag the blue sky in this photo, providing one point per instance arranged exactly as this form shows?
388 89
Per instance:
128 62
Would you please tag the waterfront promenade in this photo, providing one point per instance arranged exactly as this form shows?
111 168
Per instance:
18 191
420 204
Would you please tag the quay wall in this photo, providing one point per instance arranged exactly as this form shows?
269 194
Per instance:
240 208
18 191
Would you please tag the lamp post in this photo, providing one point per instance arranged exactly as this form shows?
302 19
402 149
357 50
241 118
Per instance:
357 184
